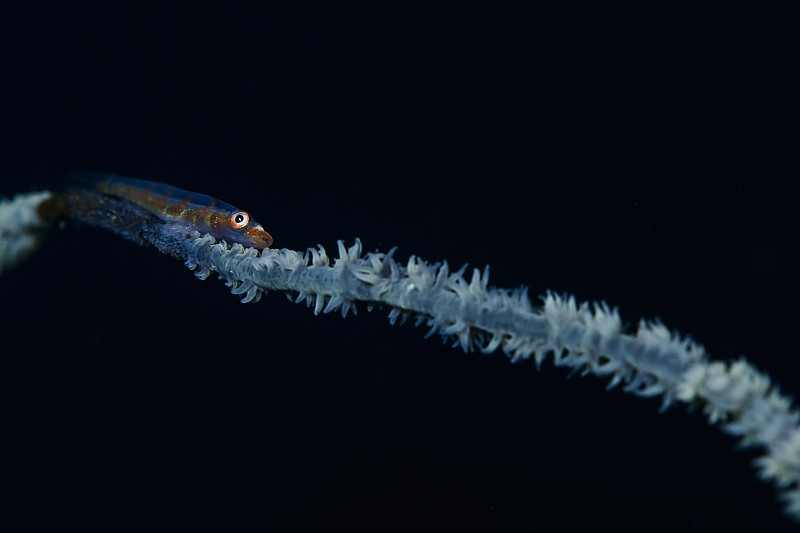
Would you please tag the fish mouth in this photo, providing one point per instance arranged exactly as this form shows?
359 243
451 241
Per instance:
260 238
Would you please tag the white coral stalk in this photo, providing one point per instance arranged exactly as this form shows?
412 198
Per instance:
19 225
648 362
652 361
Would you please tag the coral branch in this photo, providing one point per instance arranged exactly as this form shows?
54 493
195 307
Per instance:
20 227
651 361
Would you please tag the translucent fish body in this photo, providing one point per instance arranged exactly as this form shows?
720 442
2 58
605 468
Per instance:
187 211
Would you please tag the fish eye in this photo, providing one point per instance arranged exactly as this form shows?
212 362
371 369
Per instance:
240 219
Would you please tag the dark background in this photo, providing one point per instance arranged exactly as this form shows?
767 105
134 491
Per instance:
638 155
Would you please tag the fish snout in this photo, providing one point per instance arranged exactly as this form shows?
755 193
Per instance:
259 237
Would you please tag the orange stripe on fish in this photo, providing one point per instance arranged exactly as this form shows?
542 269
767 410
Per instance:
186 210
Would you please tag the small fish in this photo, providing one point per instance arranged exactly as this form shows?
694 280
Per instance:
186 211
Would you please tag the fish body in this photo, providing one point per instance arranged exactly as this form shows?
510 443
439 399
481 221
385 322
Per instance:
185 210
